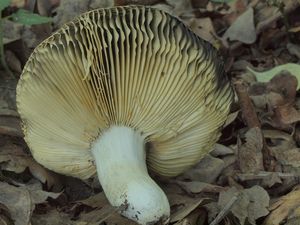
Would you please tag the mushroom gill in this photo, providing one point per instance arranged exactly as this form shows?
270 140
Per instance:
101 87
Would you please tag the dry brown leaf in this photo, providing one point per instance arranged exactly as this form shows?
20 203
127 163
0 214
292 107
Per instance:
287 114
293 49
251 204
284 149
44 7
221 150
13 62
17 3
290 157
9 118
204 28
180 7
195 187
231 117
102 211
243 28
284 208
11 31
250 153
95 201
53 217
293 221
21 201
237 8
13 158
107 214
10 125
69 9
284 84
4 216
181 204
267 15
207 170
278 96
185 210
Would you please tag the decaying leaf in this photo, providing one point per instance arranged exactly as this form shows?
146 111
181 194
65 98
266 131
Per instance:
107 214
279 97
13 158
243 28
250 153
221 150
179 7
207 170
69 9
231 117
11 31
185 210
266 76
21 201
195 187
289 156
10 125
252 203
204 28
53 217
182 205
294 49
237 8
95 201
284 149
286 207
102 212
17 3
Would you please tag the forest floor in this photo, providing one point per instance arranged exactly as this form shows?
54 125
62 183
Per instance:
251 177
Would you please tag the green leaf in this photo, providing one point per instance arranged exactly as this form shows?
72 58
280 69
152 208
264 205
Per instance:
266 76
4 4
28 18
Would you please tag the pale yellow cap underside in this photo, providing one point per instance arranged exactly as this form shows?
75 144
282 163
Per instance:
133 66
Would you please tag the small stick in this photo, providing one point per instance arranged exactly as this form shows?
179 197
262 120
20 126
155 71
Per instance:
252 120
264 174
247 107
225 210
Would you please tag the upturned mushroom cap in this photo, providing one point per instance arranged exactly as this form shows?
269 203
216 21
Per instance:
133 66
136 67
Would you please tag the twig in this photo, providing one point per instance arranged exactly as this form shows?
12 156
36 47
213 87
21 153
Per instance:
263 175
247 107
252 120
225 210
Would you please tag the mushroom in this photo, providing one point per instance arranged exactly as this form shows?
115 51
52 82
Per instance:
118 92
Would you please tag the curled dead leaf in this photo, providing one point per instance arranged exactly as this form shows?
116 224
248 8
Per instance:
195 187
284 208
251 203
243 28
13 158
21 200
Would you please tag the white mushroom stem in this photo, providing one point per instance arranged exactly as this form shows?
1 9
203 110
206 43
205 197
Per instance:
121 166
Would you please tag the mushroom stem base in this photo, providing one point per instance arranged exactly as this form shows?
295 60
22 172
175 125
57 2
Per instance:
120 159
